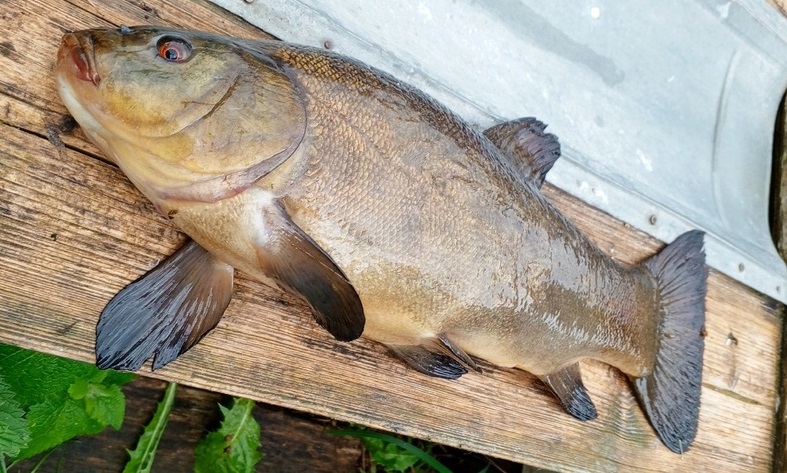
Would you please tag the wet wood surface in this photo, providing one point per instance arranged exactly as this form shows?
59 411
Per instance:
74 231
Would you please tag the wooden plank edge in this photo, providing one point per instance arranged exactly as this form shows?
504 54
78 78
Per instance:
76 352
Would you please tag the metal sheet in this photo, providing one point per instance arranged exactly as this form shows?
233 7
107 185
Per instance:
665 110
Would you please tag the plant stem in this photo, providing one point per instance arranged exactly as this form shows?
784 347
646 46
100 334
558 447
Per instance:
142 456
43 459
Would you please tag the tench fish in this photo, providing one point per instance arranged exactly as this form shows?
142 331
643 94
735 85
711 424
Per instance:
387 213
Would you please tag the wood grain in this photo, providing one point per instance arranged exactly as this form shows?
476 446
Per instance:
780 5
73 231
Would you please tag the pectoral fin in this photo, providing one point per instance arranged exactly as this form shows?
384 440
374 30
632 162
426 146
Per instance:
524 142
165 312
298 263
567 385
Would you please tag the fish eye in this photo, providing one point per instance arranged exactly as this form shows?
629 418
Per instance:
174 49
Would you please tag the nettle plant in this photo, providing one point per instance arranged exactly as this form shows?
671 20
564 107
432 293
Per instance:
46 401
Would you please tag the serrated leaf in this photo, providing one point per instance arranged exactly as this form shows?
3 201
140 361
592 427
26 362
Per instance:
36 377
234 448
390 456
78 390
374 447
63 398
105 404
14 431
141 458
54 422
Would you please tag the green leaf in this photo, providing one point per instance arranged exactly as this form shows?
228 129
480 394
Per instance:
54 422
142 457
117 378
105 404
36 377
63 398
14 431
374 448
389 455
234 448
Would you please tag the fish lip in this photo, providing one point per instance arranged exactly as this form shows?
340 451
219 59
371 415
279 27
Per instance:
79 50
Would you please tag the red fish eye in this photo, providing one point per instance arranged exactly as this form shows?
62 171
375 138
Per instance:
174 50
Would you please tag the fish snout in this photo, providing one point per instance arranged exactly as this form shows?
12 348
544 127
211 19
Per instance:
76 53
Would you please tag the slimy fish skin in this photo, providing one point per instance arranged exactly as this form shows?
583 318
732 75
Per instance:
388 214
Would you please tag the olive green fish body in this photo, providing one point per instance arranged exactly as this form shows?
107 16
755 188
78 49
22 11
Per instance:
441 235
386 212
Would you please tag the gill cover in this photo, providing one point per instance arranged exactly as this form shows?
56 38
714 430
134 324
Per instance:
186 115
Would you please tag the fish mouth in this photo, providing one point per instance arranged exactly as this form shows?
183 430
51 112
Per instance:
77 51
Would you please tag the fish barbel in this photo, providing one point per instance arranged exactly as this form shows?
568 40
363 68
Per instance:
388 214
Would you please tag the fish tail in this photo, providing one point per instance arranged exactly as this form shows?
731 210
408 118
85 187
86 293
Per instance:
670 394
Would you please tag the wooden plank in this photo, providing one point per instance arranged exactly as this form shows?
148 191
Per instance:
73 231
780 5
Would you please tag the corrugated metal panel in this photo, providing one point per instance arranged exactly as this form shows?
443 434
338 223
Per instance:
665 109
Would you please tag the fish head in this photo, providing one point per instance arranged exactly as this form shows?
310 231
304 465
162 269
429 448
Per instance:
184 114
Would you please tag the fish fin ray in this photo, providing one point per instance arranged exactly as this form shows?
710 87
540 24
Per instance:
165 312
458 354
429 362
670 394
566 384
298 263
524 142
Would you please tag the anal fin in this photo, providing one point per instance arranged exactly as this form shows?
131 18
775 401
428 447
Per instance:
165 312
429 362
566 384
524 142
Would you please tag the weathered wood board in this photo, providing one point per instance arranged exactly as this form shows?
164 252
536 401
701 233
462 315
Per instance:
73 231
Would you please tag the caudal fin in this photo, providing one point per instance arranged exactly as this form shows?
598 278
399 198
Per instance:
670 395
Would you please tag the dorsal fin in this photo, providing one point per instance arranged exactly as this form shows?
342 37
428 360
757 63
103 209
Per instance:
524 142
